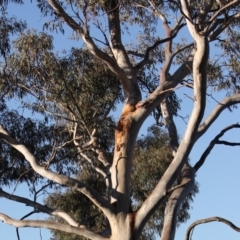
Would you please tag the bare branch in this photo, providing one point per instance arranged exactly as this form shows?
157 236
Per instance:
213 34
185 11
25 216
167 116
94 196
228 143
68 142
39 207
112 64
43 187
50 225
228 5
101 157
65 17
154 46
225 103
128 78
97 169
159 94
207 220
212 144
135 53
170 175
182 49
179 194
171 34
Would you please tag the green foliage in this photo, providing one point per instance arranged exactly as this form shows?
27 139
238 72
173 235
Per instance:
40 139
70 87
8 27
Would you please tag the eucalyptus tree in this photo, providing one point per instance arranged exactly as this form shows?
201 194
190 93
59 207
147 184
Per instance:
131 66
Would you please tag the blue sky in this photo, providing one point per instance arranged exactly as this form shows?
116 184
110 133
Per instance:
218 179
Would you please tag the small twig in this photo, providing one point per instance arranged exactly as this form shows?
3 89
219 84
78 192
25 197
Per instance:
68 142
19 180
155 45
188 97
27 215
40 233
183 118
210 95
18 237
43 187
104 43
54 150
176 187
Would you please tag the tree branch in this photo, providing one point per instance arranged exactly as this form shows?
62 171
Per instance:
25 216
185 11
207 220
65 17
50 225
214 34
93 142
182 49
94 196
133 94
112 64
225 103
40 207
167 116
233 144
199 75
170 124
159 94
217 13
154 46
212 144
178 195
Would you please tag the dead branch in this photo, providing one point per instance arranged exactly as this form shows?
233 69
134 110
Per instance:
225 103
25 216
228 143
207 220
212 144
